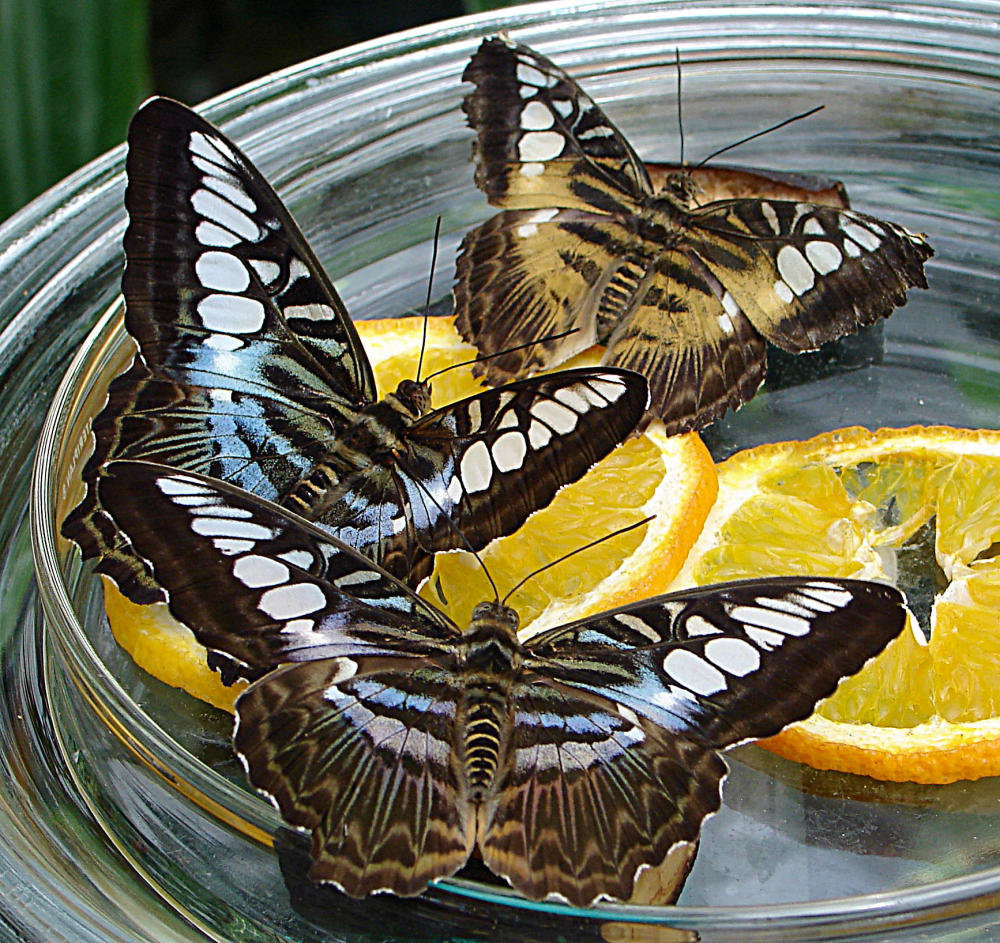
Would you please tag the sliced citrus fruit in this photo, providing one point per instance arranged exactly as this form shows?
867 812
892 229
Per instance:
673 478
917 507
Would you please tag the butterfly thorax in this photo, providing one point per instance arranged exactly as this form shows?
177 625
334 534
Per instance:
376 436
491 663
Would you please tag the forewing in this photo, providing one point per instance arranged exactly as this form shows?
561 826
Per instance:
541 140
360 752
477 469
219 282
728 662
257 585
588 792
248 365
806 274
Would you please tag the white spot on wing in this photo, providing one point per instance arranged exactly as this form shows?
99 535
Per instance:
536 117
231 314
563 107
783 292
292 601
539 435
211 148
171 486
733 655
637 625
225 527
477 468
693 672
600 131
231 192
698 625
530 75
555 415
571 397
213 207
863 236
540 145
228 546
769 619
208 234
344 668
823 256
357 578
313 312
795 270
509 451
813 227
267 271
765 638
254 571
302 559
771 217
224 342
221 271
834 595
532 170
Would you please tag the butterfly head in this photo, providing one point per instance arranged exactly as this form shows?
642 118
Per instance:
490 641
412 397
680 187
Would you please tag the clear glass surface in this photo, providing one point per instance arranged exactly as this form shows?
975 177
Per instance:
127 818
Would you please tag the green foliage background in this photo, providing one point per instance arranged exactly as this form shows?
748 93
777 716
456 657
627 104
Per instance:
71 74
73 71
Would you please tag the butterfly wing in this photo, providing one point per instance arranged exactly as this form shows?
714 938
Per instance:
807 274
248 365
360 751
508 451
728 662
257 585
588 792
540 139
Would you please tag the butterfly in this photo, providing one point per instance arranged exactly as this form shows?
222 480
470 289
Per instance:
250 370
687 295
403 742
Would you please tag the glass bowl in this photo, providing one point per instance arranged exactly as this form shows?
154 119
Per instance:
367 147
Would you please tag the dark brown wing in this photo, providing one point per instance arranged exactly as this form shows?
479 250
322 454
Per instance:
541 140
360 752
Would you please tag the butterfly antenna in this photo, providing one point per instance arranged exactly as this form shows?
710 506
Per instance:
427 302
750 137
458 530
680 111
509 350
572 553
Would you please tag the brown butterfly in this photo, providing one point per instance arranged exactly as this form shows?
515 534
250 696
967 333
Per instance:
405 743
685 294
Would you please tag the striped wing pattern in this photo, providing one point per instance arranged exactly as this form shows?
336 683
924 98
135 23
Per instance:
684 294
403 743
250 370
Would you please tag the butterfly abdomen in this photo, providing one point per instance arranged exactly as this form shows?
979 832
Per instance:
491 658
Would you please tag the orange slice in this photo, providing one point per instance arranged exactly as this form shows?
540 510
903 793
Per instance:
917 507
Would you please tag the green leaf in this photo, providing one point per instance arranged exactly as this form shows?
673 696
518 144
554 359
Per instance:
72 74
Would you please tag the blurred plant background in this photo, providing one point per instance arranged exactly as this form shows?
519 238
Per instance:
73 71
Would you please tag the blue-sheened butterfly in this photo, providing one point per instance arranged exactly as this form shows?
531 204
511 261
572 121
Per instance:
685 294
404 743
249 370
